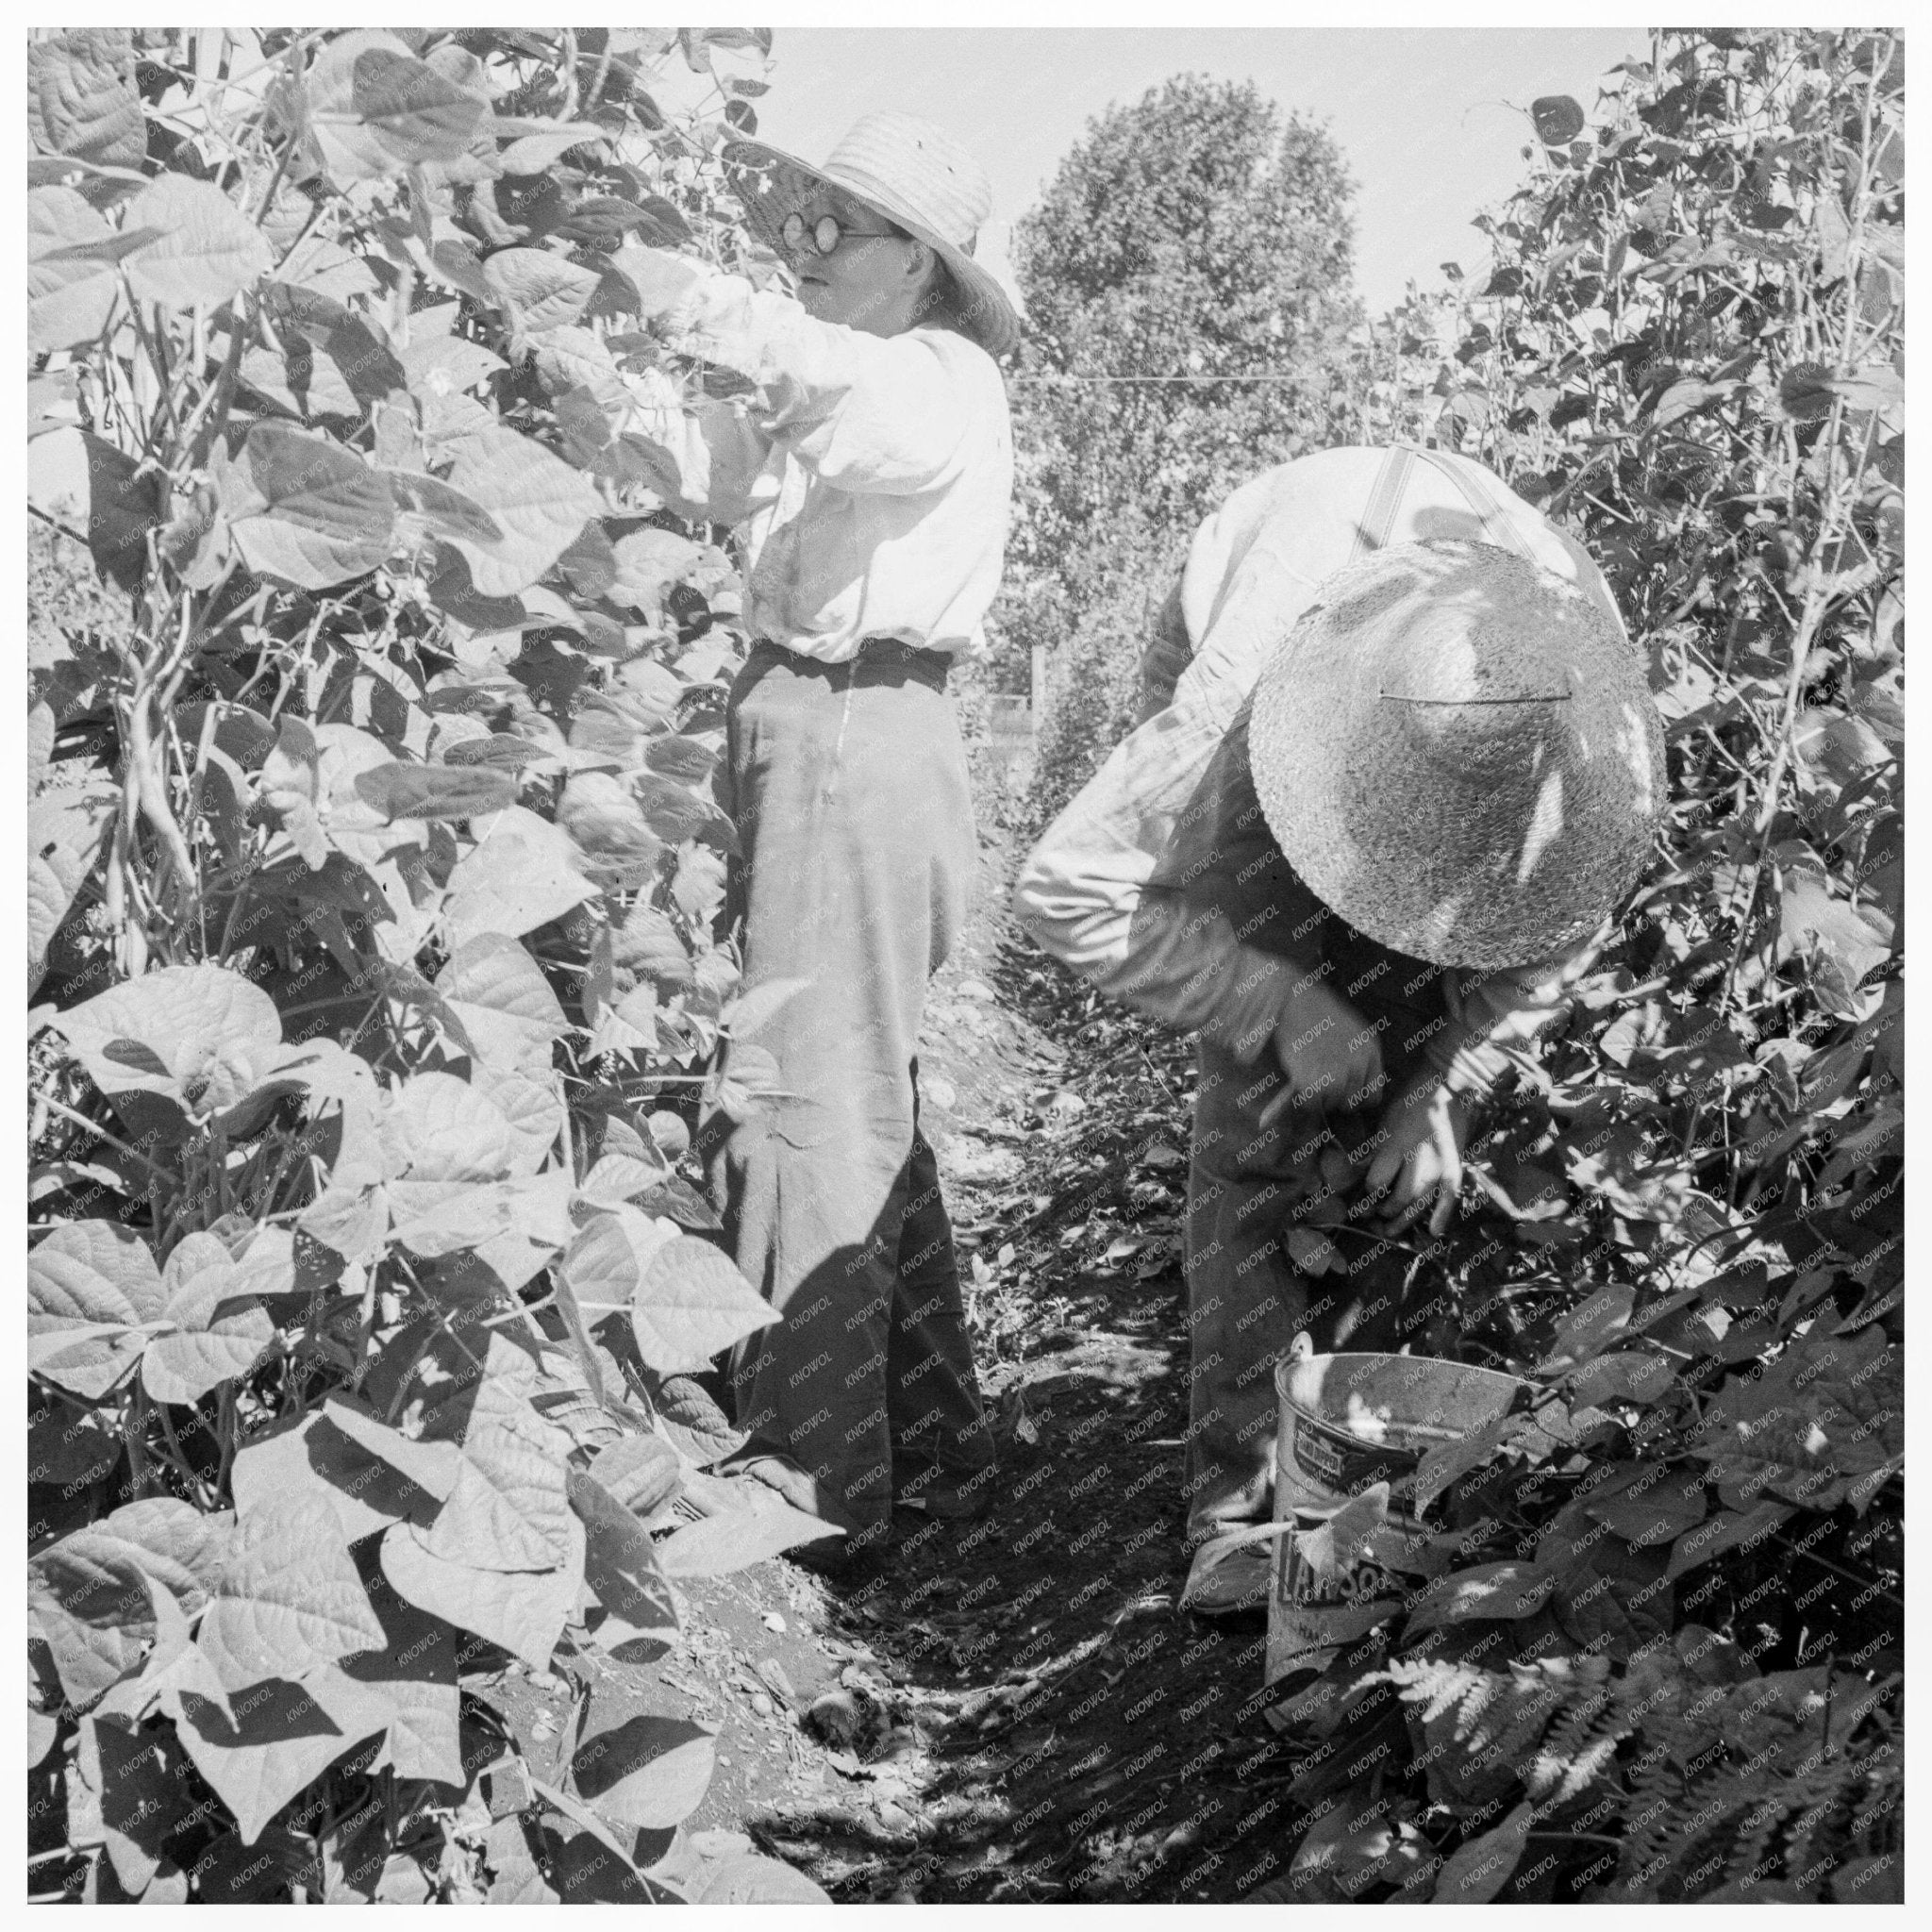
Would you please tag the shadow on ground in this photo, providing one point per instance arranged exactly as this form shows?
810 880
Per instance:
1014 1709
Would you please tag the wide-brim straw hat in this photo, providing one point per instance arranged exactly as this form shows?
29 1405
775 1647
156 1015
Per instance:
1457 751
913 174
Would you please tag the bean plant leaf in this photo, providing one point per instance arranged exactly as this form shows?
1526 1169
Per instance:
204 250
83 483
606 1261
277 1742
1729 1529
232 1874
428 1465
288 1597
199 1036
414 1675
506 1005
362 361
522 1611
677 756
757 1007
649 944
1821 1425
65 830
749 1879
522 873
442 1130
1588 1328
70 1446
92 1294
622 1572
575 1871
445 512
434 792
1558 119
676 814
1807 391
1851 939
616 1178
81 98
540 291
736 1539
215 1328
533 154
1624 1375
442 364
141 1796
1479 1870
372 121
1335 1546
609 827
690 1302
646 1773
698 1429
527 1095
315 1456
506 1508
1485 1590
72 286
417 113
174 1665
1645 1503
538 500
89 1591
309 511
1442 1465
640 1472
648 563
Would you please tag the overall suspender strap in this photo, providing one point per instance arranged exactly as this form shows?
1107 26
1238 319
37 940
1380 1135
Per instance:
1498 526
1384 499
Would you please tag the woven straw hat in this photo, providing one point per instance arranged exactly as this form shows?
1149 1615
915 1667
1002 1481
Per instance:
910 171
1457 751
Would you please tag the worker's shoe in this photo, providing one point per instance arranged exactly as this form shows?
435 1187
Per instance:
946 1495
1229 1577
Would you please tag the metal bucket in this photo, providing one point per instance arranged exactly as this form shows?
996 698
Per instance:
1345 1423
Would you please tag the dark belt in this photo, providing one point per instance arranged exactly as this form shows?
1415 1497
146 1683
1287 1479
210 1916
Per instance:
874 654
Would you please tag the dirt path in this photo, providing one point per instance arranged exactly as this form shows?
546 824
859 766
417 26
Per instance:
1028 1716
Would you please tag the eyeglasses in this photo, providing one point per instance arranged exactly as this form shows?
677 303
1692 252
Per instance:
827 233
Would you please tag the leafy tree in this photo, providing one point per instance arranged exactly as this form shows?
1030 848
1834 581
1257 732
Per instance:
372 887
1191 235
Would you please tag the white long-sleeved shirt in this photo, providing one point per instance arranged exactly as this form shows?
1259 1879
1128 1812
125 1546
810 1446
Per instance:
873 474
1109 888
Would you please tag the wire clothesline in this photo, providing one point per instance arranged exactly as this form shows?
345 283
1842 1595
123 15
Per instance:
1272 376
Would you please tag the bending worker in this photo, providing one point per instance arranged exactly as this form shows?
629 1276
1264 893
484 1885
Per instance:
1398 762
872 468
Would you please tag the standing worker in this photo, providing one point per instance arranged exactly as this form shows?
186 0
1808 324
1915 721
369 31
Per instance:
873 470
1398 763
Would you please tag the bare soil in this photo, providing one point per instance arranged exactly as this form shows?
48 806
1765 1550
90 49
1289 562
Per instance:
1028 1716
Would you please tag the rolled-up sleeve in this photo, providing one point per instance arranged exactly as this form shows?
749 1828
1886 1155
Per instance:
1109 890
868 414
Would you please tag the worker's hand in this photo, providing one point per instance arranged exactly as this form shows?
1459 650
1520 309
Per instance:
1418 1166
1331 1058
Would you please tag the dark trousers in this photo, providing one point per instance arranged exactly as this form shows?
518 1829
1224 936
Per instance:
848 786
1265 1259
1247 1295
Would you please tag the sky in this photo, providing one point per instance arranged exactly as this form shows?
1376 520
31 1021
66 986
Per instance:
1428 118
